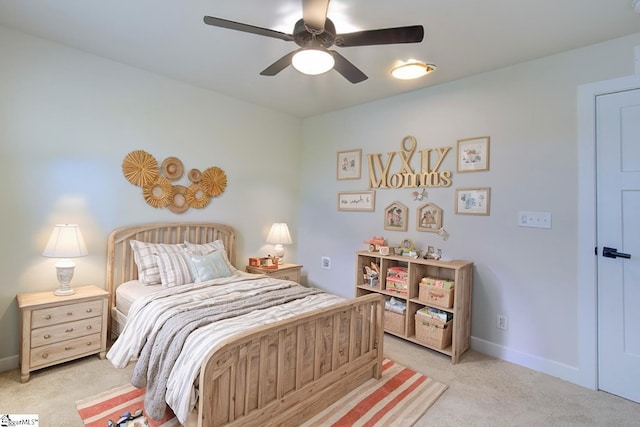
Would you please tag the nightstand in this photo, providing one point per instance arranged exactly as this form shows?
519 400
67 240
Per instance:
57 329
284 271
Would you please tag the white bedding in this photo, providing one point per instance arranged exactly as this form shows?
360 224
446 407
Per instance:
147 315
131 291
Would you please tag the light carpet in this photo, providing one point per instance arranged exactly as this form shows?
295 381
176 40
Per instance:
399 398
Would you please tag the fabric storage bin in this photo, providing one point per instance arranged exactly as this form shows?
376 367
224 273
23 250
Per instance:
394 322
433 332
439 297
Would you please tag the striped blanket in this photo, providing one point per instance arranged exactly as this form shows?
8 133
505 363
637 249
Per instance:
198 317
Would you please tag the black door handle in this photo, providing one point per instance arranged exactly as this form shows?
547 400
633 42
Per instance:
613 253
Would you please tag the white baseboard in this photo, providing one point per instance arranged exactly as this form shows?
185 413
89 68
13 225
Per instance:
539 364
9 363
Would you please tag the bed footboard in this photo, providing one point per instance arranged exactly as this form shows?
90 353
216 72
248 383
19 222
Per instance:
286 372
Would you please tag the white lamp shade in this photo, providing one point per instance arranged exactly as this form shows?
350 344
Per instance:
312 61
279 234
65 242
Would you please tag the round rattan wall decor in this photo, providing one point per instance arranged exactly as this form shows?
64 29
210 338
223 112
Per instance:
195 175
159 193
178 202
140 168
172 168
214 181
196 196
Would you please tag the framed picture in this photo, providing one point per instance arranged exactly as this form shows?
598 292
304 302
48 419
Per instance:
473 154
473 201
357 201
395 217
349 164
429 218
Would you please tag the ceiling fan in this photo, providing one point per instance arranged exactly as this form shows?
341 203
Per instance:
315 34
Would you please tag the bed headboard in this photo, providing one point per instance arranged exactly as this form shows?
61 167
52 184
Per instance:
121 266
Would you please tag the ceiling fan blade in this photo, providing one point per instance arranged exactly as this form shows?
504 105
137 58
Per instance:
232 25
279 65
411 34
314 13
347 69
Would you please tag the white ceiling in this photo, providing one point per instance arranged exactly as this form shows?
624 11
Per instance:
462 37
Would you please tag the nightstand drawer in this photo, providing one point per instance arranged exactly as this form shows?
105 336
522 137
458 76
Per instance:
65 350
66 313
291 274
65 331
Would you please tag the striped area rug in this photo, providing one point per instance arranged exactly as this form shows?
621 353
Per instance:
399 398
96 411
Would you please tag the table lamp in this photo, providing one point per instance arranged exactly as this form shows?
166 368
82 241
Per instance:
65 242
279 235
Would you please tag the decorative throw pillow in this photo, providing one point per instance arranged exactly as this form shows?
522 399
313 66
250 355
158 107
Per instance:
211 266
144 256
206 248
175 268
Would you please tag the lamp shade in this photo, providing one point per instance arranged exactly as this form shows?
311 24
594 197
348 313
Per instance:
65 242
279 234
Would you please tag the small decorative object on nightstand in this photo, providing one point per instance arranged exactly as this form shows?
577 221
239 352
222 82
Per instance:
57 329
284 271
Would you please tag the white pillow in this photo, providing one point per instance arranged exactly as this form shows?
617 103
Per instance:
206 248
211 266
175 268
144 256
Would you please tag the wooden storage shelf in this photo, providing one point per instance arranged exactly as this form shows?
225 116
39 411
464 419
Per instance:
460 272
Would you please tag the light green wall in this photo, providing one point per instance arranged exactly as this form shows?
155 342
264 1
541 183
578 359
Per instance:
67 120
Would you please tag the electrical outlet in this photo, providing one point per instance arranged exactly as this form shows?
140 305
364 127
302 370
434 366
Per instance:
501 322
326 263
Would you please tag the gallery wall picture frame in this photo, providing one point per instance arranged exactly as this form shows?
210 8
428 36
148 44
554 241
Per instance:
396 216
429 218
364 201
473 154
473 201
349 164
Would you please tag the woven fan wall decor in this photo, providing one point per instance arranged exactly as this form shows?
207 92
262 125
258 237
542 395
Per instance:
142 169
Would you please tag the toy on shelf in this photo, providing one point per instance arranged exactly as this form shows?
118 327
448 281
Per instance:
375 243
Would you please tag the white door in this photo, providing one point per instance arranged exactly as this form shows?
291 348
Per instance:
618 222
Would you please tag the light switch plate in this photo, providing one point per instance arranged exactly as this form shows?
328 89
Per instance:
534 219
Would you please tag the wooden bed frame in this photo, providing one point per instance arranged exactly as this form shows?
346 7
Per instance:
278 374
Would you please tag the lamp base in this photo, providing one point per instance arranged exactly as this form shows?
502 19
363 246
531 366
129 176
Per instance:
64 291
278 252
64 272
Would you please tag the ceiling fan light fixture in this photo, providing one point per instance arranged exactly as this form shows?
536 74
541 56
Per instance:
312 61
412 70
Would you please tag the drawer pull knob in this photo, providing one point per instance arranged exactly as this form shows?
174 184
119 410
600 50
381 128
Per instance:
88 327
47 336
88 343
69 330
44 356
68 348
89 310
286 277
70 313
48 317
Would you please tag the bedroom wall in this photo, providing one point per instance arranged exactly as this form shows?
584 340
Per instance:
527 274
67 120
